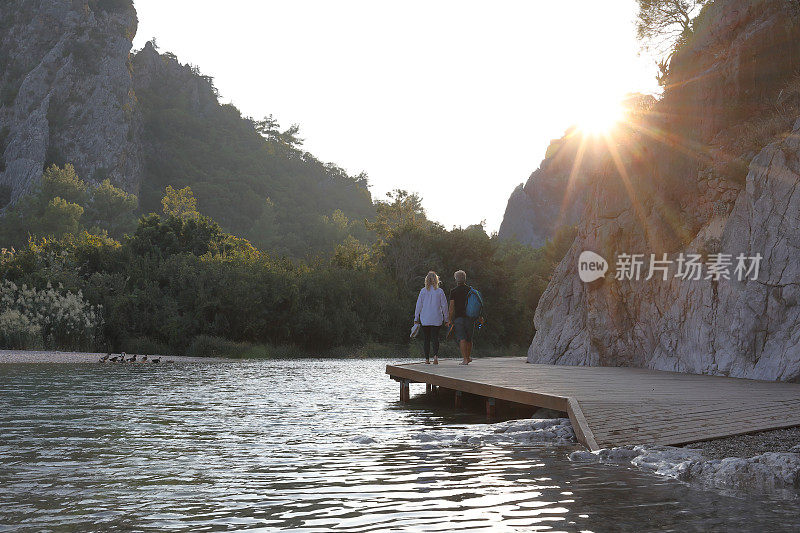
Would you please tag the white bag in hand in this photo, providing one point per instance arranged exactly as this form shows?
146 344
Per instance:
414 331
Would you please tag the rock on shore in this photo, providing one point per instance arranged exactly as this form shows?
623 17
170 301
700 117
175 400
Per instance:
773 472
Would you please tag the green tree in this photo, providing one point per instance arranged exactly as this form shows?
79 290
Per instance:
112 209
270 129
403 209
663 25
179 203
352 254
59 217
63 183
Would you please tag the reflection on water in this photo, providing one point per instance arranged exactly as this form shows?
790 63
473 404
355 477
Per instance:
269 445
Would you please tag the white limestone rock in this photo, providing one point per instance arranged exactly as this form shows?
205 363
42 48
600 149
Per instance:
66 93
668 201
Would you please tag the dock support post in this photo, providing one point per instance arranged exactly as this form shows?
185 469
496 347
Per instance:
405 393
458 399
491 407
428 389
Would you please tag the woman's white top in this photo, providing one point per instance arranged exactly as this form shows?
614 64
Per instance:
431 307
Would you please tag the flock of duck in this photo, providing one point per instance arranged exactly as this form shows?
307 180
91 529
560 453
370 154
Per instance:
123 358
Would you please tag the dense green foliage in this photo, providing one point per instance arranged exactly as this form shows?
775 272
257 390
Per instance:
63 203
181 283
249 176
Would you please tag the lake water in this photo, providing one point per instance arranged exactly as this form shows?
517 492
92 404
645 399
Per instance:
270 445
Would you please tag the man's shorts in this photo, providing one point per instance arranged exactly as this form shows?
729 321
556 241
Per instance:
463 328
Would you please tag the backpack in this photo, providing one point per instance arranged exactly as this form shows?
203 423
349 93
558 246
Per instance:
474 303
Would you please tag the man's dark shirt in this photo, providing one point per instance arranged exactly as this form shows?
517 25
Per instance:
459 296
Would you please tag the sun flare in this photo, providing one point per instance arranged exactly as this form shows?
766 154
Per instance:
601 117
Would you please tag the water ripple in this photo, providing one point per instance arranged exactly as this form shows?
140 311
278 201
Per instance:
308 446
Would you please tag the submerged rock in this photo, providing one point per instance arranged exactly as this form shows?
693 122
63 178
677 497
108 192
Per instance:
363 439
532 431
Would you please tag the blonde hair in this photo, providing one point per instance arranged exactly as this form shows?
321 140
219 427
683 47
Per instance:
432 280
461 276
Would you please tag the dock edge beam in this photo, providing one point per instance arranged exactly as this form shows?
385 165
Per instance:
579 424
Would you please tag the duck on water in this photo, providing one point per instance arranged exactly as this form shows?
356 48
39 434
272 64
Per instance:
122 358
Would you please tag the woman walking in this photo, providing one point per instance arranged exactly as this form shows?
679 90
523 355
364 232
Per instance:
431 313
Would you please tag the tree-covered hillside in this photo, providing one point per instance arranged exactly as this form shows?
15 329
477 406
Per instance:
250 176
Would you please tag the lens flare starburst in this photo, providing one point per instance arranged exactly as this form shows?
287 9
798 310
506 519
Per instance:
600 116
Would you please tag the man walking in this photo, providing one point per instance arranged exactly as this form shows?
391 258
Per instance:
462 322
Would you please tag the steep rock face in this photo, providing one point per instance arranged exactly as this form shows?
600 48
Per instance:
66 93
747 328
665 196
737 61
153 71
537 209
554 194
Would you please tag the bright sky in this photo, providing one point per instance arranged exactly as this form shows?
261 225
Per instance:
456 100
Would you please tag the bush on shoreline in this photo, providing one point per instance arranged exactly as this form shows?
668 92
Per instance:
33 318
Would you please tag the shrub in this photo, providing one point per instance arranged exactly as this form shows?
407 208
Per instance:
209 346
18 332
739 144
63 320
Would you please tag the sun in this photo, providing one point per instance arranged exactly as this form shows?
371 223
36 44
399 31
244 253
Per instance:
600 116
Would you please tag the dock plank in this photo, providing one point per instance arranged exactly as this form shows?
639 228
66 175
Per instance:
614 406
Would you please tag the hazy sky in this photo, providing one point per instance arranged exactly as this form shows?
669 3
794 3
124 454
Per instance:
456 100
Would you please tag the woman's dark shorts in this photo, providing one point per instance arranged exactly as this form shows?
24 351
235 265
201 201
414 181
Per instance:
463 328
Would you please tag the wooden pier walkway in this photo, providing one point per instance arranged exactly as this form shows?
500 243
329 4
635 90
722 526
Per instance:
612 406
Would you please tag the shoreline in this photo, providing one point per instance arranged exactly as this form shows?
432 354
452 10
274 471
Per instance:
765 461
56 357
750 445
369 352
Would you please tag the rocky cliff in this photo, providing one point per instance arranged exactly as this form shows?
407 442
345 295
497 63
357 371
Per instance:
553 196
713 170
66 92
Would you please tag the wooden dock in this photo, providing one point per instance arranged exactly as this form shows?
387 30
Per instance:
612 406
